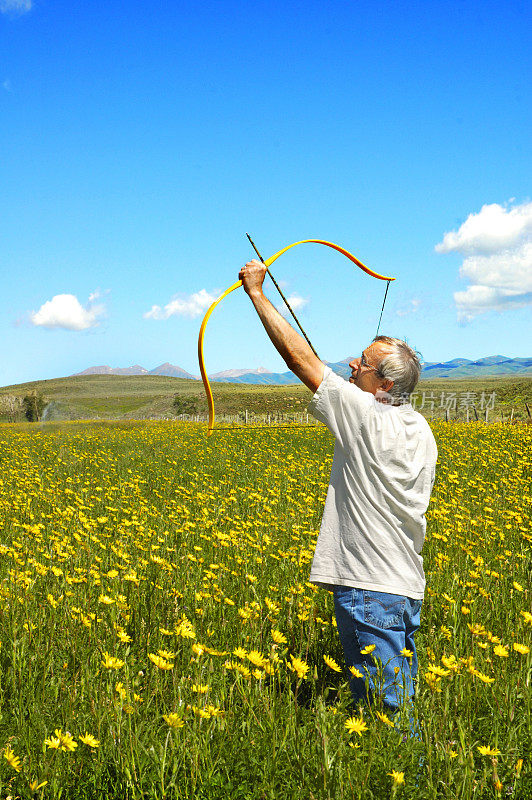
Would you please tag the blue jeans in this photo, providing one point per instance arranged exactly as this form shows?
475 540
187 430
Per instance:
389 622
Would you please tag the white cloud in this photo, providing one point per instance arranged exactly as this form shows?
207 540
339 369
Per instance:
410 308
65 311
296 302
493 229
479 299
15 6
191 306
498 244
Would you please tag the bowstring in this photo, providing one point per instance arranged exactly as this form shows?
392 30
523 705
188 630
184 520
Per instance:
382 309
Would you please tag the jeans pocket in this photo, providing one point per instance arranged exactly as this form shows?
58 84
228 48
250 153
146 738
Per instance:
383 610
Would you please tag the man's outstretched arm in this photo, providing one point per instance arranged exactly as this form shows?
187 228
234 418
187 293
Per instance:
292 348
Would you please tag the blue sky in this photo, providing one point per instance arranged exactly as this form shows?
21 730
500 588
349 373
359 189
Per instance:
139 142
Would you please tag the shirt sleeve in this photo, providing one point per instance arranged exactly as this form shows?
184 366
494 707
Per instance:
340 405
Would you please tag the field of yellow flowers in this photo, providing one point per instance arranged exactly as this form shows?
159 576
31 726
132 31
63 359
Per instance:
159 637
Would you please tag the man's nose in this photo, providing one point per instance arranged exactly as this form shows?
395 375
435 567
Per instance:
354 363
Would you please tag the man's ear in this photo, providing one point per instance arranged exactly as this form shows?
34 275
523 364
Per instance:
386 385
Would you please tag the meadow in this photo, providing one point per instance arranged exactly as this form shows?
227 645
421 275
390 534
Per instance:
159 637
134 397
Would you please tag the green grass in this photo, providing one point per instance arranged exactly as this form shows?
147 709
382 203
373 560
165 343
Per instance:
141 397
125 539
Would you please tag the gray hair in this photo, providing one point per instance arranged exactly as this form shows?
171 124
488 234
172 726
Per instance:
402 366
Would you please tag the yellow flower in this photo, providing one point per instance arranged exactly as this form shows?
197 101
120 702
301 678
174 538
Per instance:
406 652
278 637
119 688
355 672
12 759
256 659
501 651
355 725
446 632
482 677
437 670
273 608
67 741
110 662
433 681
398 777
477 629
450 662
517 586
89 740
214 711
488 751
173 720
527 616
331 663
367 650
185 630
299 666
200 712
162 663
200 688
166 654
35 785
106 600
52 743
239 652
123 636
61 740
521 648
384 718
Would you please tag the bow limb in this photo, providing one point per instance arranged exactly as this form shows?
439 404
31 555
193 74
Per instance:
267 263
205 379
342 250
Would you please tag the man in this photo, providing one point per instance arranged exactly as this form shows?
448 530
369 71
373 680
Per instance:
373 526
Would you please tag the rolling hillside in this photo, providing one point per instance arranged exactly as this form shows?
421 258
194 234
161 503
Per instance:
150 396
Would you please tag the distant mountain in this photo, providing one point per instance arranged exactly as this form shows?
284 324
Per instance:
106 370
263 378
457 368
490 366
237 373
170 370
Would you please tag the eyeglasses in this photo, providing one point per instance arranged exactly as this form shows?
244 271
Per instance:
364 363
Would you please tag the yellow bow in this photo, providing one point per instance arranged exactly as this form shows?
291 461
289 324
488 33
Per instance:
267 263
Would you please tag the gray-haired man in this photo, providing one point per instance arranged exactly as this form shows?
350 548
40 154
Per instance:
369 546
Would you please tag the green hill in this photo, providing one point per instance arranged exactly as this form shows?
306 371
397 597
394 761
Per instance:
152 396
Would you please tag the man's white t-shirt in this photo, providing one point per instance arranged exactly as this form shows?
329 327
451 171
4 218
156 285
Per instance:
383 470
